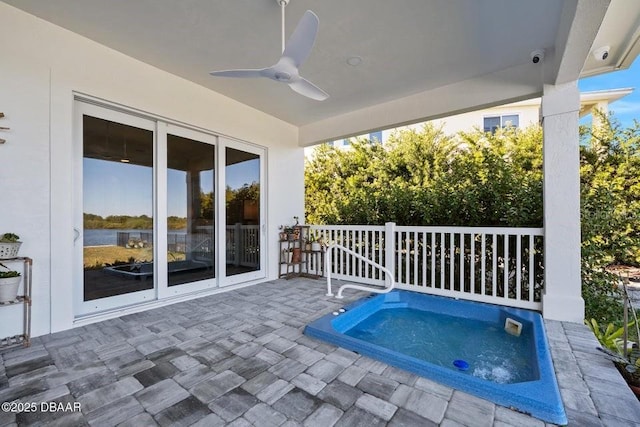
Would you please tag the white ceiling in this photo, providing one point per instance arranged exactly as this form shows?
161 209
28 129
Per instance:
407 46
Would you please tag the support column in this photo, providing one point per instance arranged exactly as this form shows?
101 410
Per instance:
562 298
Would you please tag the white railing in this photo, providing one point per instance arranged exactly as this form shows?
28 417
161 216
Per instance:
341 249
243 243
497 265
363 240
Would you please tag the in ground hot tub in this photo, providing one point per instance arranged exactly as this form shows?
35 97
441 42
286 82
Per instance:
461 344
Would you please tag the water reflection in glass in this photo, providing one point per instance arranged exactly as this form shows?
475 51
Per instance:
190 206
117 206
242 174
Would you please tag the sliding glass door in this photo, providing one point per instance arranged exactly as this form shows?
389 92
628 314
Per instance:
161 210
115 222
191 210
243 213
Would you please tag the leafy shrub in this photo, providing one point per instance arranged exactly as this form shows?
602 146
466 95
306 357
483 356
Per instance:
424 177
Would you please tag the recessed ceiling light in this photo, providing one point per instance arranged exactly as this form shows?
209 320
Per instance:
354 61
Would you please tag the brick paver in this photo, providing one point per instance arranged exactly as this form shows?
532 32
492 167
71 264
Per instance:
239 359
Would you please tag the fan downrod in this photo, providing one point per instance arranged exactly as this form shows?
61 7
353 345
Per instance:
283 4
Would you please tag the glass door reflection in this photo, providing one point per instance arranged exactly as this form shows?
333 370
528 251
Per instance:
242 174
117 165
190 210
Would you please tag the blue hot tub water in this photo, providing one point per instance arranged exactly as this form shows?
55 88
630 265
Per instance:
442 339
458 343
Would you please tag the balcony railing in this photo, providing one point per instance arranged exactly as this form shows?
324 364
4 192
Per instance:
243 243
490 264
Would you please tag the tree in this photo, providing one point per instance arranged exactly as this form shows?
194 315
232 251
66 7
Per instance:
610 202
610 193
236 200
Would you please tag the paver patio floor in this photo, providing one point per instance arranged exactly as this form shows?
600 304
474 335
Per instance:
239 358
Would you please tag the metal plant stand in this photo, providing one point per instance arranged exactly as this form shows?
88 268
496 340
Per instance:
23 339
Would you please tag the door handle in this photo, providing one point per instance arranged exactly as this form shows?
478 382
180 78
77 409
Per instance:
76 234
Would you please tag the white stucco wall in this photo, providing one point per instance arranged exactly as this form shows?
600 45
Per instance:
528 115
528 112
42 66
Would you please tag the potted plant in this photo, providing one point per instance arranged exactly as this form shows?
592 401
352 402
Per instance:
9 282
9 245
316 244
290 232
287 254
286 232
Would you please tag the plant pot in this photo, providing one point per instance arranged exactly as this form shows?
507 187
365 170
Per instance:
297 255
9 289
316 247
9 250
286 256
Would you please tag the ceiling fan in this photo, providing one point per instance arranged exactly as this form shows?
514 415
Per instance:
294 53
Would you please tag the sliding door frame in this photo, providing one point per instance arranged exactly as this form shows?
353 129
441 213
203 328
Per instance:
261 273
82 307
164 290
161 127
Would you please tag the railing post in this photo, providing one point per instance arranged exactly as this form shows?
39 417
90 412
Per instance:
327 269
390 247
237 243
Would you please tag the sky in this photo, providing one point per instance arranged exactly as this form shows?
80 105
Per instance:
113 188
628 108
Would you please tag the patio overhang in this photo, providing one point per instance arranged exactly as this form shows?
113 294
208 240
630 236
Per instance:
505 86
420 60
577 31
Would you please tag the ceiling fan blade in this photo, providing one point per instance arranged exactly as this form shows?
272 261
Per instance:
299 45
238 73
308 89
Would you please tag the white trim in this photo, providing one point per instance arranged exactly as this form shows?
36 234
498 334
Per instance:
160 212
507 302
475 230
501 115
221 213
115 106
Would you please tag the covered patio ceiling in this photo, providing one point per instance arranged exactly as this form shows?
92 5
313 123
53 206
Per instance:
420 59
